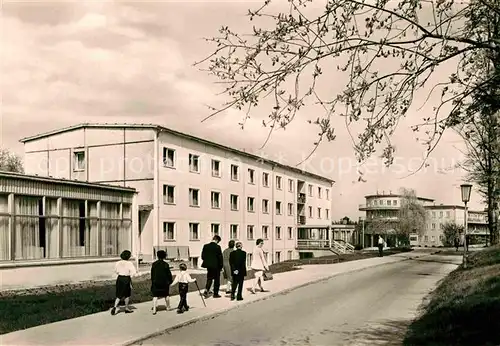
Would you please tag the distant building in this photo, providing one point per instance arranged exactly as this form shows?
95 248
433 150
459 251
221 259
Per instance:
386 207
46 222
189 188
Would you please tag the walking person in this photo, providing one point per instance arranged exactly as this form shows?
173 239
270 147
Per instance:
259 265
237 260
213 262
183 279
456 242
161 278
125 270
226 266
380 246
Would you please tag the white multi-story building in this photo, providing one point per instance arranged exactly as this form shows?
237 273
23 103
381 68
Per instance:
188 188
385 207
439 215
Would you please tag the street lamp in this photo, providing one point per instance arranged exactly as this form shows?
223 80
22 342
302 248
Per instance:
465 189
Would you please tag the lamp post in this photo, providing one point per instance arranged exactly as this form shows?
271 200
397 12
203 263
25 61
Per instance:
465 190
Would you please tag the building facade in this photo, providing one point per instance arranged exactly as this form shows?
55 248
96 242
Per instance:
46 221
439 215
382 210
381 207
189 188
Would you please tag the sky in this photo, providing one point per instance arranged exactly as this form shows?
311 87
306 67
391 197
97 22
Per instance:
66 62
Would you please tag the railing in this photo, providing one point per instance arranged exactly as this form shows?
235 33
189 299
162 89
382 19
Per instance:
301 198
301 220
313 244
347 246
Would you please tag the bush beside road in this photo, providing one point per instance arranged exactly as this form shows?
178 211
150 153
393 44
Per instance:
38 306
465 307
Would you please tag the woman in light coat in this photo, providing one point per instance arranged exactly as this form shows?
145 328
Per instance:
259 265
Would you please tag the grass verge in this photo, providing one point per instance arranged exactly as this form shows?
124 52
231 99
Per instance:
465 307
38 306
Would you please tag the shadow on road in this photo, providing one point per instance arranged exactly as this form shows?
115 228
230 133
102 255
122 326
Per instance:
389 333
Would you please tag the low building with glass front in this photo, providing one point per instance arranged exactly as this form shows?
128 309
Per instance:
48 226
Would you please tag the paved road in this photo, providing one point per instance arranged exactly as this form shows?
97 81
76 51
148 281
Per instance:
370 307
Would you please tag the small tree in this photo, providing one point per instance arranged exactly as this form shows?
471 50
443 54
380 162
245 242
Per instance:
412 216
10 162
450 231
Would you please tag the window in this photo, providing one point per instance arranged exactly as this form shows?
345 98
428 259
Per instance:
440 214
234 202
278 182
251 176
319 213
433 226
395 202
235 173
194 163
278 208
327 212
433 238
265 179
290 185
168 231
215 229
448 214
265 206
250 232
250 204
426 238
389 202
79 160
194 197
233 232
194 231
278 256
319 192
327 192
278 232
215 198
265 232
310 211
290 209
168 194
290 232
434 214
310 190
289 255
168 157
216 168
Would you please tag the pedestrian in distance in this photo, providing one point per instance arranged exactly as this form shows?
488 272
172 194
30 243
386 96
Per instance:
125 271
161 278
183 279
226 266
380 246
211 256
237 261
258 265
456 242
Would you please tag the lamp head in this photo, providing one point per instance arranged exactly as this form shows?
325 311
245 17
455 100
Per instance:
466 190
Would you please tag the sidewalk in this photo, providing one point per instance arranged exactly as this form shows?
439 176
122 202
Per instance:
126 329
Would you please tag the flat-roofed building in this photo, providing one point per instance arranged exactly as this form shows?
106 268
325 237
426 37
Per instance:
189 188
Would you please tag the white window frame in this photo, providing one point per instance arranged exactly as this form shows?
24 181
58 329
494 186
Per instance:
79 165
235 177
191 197
216 172
265 179
194 163
191 231
251 204
265 206
166 195
165 230
265 232
237 199
290 209
251 176
212 229
277 231
278 207
250 232
279 181
233 228
212 199
166 155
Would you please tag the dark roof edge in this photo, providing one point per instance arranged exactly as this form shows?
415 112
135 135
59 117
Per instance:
396 195
180 134
65 181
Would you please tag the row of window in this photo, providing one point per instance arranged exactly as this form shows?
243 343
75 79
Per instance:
215 200
389 202
169 231
441 214
277 257
169 160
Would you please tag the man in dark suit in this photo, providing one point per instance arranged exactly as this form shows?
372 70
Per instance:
211 256
237 261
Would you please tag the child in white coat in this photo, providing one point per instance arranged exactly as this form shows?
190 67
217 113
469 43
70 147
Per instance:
183 279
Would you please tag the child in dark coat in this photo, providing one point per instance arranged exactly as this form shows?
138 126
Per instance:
161 278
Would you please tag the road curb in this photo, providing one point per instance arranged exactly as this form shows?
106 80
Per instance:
223 311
